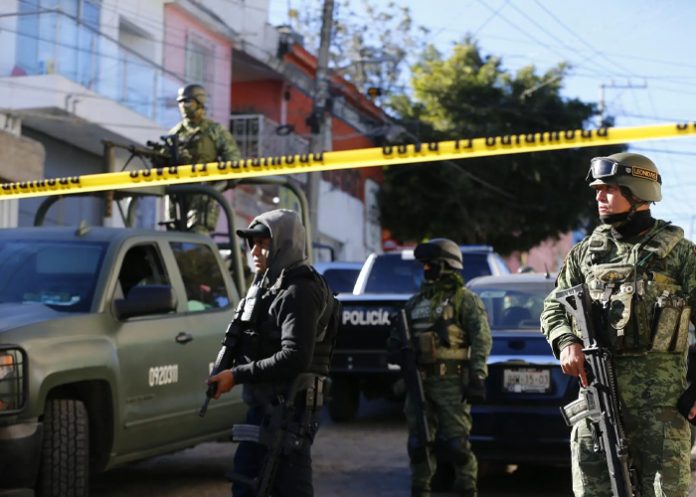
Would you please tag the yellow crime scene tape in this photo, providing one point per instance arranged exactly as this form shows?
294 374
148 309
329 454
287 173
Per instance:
464 148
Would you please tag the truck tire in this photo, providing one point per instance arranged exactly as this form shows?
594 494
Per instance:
344 400
64 468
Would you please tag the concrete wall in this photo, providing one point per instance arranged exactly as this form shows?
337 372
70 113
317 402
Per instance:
66 160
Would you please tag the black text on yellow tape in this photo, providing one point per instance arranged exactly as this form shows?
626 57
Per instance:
346 159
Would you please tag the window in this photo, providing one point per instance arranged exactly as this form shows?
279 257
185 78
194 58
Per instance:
204 283
200 65
61 275
142 265
63 40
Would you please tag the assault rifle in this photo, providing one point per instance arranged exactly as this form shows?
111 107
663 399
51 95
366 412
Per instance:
414 385
230 351
282 429
167 151
598 402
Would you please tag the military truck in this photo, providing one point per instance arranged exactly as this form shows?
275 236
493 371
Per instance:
107 336
386 281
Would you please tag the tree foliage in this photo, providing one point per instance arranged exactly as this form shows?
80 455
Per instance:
370 44
512 202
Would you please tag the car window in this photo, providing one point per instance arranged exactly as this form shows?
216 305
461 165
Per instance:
142 265
341 279
205 285
475 265
59 274
513 308
391 273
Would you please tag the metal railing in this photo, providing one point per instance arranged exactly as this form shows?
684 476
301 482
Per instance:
258 136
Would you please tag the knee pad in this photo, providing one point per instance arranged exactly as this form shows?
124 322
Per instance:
416 450
458 449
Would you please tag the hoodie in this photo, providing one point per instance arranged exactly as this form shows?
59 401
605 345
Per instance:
293 306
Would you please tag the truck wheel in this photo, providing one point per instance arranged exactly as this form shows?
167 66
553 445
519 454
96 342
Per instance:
344 401
64 470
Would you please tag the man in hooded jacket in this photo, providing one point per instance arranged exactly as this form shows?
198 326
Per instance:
287 336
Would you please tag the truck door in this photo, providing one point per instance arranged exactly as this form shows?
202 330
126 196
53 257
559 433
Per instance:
207 312
155 382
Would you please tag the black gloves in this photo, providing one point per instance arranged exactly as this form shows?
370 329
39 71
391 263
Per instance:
475 391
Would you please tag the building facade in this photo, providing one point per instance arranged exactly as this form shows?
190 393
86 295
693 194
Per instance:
78 72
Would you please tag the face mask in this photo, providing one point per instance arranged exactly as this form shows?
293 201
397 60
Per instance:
189 110
433 272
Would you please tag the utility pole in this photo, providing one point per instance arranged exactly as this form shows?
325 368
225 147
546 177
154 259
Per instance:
320 119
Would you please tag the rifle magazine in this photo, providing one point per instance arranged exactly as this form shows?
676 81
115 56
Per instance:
576 411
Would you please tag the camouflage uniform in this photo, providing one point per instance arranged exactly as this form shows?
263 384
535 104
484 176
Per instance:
451 333
206 142
649 284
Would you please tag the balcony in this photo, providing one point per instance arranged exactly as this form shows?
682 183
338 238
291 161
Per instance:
258 136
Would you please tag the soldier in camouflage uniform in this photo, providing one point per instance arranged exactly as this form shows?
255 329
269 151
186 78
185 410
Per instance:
453 340
201 140
643 273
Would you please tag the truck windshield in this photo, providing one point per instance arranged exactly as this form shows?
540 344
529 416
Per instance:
59 274
391 273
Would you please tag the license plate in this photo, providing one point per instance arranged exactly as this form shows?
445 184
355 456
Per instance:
526 380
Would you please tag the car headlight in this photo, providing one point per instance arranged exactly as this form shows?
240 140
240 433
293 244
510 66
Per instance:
12 379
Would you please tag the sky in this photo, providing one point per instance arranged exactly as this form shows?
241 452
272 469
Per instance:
641 54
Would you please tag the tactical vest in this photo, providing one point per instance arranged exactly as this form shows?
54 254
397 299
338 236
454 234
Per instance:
264 336
437 333
640 308
198 141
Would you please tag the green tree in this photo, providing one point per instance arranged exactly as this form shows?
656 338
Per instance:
512 202
370 45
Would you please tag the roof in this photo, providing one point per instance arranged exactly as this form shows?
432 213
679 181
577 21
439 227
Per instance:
94 234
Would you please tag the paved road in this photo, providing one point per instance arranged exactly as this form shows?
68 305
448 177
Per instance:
364 458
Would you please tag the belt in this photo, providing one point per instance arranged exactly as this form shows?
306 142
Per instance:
442 368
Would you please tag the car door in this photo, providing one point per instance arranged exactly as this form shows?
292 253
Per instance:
206 314
157 376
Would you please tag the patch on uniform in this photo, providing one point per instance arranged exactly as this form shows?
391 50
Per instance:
639 172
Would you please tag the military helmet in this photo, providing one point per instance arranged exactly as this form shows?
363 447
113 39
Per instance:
634 171
193 92
440 249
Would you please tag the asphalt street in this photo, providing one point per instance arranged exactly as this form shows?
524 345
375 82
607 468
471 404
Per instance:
366 457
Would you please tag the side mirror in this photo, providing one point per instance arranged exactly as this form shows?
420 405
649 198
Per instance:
146 300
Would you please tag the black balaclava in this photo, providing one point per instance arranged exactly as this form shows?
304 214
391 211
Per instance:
632 222
435 270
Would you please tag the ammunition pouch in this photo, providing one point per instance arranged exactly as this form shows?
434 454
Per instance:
443 368
670 323
430 353
426 347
